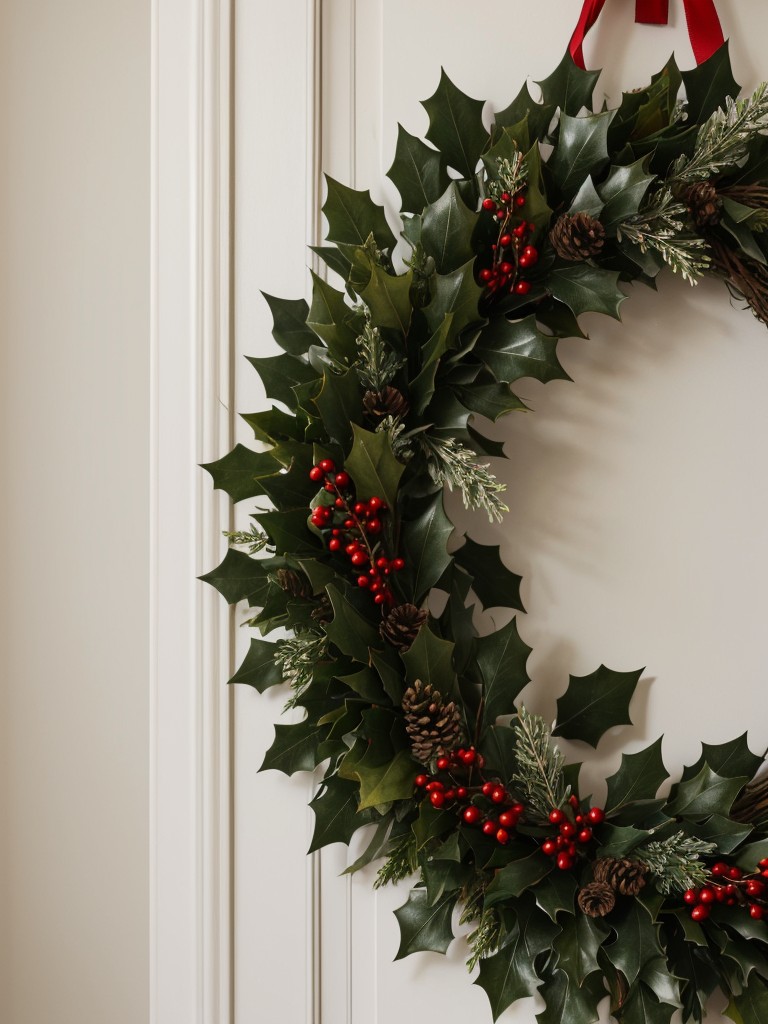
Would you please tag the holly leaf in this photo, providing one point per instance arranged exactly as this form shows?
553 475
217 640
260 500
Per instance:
353 216
748 956
431 823
638 777
388 298
636 942
509 142
373 466
501 658
446 232
384 783
618 840
387 664
730 760
623 191
499 745
273 425
577 946
418 172
536 207
705 794
587 200
288 531
339 404
430 659
513 880
494 584
569 86
594 703
587 289
581 150
289 324
725 833
490 400
538 115
238 472
456 126
515 349
295 748
424 545
238 576
336 813
567 1003
510 974
457 293
333 258
642 1007
443 877
259 668
707 85
751 1005
349 630
329 318
279 374
424 927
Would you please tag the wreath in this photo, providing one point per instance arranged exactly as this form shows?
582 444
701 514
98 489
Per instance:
383 384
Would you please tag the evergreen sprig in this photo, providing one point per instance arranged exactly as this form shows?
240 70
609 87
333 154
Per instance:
676 862
256 540
297 657
723 140
376 363
660 226
453 464
401 862
539 764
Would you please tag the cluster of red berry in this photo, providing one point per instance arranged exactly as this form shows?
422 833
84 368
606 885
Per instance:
574 830
354 527
488 806
731 887
511 252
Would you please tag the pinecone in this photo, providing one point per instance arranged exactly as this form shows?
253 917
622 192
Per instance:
387 402
596 899
704 204
434 727
577 237
294 583
402 624
323 612
624 876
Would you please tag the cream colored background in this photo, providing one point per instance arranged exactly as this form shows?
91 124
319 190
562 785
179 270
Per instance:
74 510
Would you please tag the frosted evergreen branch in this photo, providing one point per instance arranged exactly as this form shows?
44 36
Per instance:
297 656
400 863
376 363
511 176
485 939
660 226
723 140
255 539
451 463
676 862
539 771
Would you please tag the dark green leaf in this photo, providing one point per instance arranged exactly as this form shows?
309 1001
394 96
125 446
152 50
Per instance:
509 143
581 150
577 945
705 794
446 232
637 939
638 778
373 467
752 854
587 200
569 1004
642 1007
443 877
538 115
513 880
238 472
536 207
273 425
367 684
515 349
349 630
419 173
430 659
329 318
456 126
289 531
353 216
374 849
748 955
238 576
707 85
617 841
280 373
383 783
289 324
333 258
730 760
501 658
424 541
623 191
594 703
339 403
387 664
725 833
431 824
457 293
259 668
490 400
556 894
751 1006
499 750
388 296
492 581
587 289
424 927
336 814
295 748
569 86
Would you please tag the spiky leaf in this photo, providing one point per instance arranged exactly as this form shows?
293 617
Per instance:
569 86
501 658
582 149
424 541
289 324
594 703
353 216
446 232
516 349
492 581
295 748
638 778
425 927
373 467
259 668
456 126
706 793
707 85
418 172
587 289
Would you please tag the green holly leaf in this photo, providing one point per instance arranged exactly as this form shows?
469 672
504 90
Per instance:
424 927
424 546
587 200
446 233
594 703
538 115
696 969
581 150
556 894
288 531
457 293
642 1007
353 216
279 374
636 942
725 833
373 467
273 425
289 324
513 880
707 85
730 760
569 86
238 472
705 794
752 854
292 489
384 783
510 974
567 1003
431 823
751 1005
443 877
388 296
336 813
349 630
536 208
295 748
333 258
388 667
259 668
509 143
499 750
329 318
430 659
638 778
501 658
577 946
367 685
623 192
456 126
494 584
490 400
747 955
587 289
515 349
340 405
238 576
423 386
418 172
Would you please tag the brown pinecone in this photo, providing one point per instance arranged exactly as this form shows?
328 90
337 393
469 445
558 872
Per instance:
433 727
401 625
597 899
624 876
577 237
387 402
294 583
323 612
704 204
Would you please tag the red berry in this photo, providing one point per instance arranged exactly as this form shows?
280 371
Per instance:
505 240
468 756
420 781
763 863
334 545
721 894
373 526
691 897
471 814
719 869
435 784
342 479
375 503
585 835
502 836
485 274
734 874
359 558
359 509
316 474
505 197
488 788
489 827
730 890
520 230
556 816
398 564
450 794
489 204
506 268
376 585
340 503
443 763
519 200
564 861
573 800
461 793
380 598
327 465
568 829
707 895
436 798
508 819
532 251
498 795
352 547
382 563
522 287
596 815
363 581
549 846
700 913
756 912
755 887
349 524
525 261
764 872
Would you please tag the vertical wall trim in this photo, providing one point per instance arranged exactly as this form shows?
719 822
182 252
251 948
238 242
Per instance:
190 773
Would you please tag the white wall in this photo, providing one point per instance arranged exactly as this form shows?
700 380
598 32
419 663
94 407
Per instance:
74 387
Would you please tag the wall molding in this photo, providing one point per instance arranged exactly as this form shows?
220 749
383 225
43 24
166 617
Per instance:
190 630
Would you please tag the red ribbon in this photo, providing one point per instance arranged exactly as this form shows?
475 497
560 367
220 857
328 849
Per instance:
704 27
